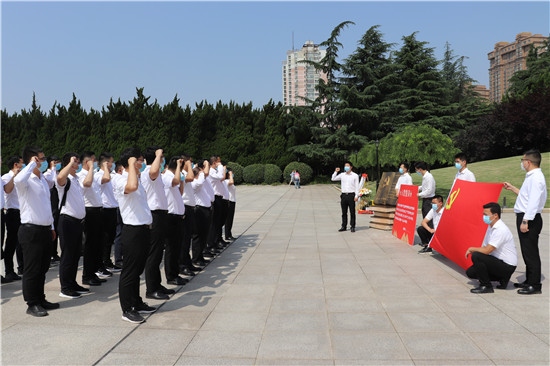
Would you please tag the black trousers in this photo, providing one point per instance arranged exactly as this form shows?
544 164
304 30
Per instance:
189 228
70 240
92 243
487 268
426 206
109 225
215 232
425 235
156 249
35 241
229 219
225 212
118 246
13 221
135 243
202 220
529 243
347 202
174 240
56 228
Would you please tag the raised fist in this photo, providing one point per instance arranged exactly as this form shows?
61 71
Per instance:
337 170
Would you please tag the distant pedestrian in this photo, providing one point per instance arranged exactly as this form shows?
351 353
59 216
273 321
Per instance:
427 190
297 179
292 177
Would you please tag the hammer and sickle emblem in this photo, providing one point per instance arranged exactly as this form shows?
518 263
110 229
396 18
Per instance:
387 181
451 199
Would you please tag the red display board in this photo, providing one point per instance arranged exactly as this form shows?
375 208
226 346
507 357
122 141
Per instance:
404 223
461 224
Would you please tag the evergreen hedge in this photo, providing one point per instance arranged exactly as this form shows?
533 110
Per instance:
306 173
237 172
272 174
254 174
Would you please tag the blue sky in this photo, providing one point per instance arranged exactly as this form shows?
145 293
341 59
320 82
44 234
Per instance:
219 50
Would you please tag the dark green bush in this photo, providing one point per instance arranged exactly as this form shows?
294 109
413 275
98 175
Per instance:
254 174
306 173
272 174
237 172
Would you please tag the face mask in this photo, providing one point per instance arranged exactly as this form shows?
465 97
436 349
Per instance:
142 167
58 166
347 168
43 167
162 164
24 165
522 167
79 168
458 166
182 177
434 206
95 165
112 168
419 173
401 170
487 219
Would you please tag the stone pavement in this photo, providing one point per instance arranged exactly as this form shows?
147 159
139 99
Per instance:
294 291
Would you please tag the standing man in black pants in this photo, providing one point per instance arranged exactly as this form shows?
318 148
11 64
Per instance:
136 232
12 218
202 214
427 190
51 175
72 211
189 225
529 204
36 231
230 184
350 194
156 199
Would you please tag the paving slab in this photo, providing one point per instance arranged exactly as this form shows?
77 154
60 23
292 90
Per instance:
291 290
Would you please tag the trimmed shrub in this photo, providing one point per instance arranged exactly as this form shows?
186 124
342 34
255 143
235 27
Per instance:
306 173
272 174
237 172
254 174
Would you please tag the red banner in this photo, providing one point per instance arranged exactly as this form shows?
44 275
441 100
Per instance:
404 223
461 224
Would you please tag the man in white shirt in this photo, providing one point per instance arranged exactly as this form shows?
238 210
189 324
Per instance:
231 190
36 231
463 172
427 190
528 208
119 169
216 178
12 219
54 162
202 213
173 188
92 224
429 224
136 232
70 226
496 259
189 226
350 194
405 177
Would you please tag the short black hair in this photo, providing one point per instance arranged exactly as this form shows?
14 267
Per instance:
29 152
406 165
185 157
533 156
438 197
173 164
494 207
461 156
67 159
421 165
213 159
196 171
149 154
12 161
86 155
104 156
52 158
348 162
128 153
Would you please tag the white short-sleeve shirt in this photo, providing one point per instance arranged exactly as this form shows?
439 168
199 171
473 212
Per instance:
500 237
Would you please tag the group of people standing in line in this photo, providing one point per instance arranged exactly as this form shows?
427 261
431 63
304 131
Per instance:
496 260
146 207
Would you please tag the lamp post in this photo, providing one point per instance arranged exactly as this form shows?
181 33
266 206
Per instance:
356 157
377 164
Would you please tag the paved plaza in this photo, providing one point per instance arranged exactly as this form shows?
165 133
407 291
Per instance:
294 291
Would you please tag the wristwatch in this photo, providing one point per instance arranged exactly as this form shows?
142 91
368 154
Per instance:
524 222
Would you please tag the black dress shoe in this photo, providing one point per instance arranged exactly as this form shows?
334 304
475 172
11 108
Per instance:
343 228
157 295
36 310
199 263
530 290
194 269
167 291
220 246
224 243
426 249
5 280
12 276
49 305
91 282
503 284
482 290
352 229
520 285
178 281
187 272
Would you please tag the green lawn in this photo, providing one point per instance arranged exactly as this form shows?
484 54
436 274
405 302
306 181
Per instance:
489 171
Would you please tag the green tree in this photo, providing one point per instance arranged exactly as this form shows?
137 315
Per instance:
536 77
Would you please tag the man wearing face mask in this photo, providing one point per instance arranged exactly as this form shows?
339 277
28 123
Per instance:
427 190
430 223
405 177
350 194
463 172
36 231
529 204
51 175
496 259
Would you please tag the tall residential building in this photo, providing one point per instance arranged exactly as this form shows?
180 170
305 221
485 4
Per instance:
506 59
300 79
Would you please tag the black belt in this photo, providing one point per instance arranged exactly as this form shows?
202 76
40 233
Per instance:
109 208
71 218
428 198
348 193
147 226
176 215
12 209
159 211
93 208
37 226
